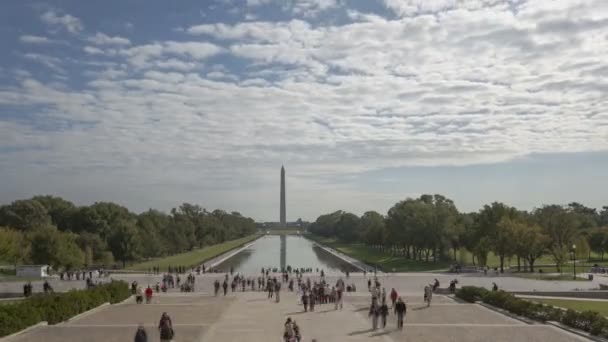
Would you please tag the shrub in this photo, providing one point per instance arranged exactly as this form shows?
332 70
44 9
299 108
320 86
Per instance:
58 307
589 321
471 294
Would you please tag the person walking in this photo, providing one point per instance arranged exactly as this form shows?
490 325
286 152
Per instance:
374 312
383 313
165 327
148 294
141 335
288 333
216 287
277 290
428 295
305 300
225 286
400 310
311 301
394 296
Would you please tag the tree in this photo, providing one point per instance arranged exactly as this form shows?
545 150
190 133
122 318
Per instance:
59 209
123 241
598 241
582 248
586 217
50 246
13 246
93 246
488 224
372 228
347 227
560 225
151 224
603 217
24 215
530 242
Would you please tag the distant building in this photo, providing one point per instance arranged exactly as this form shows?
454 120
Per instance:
299 224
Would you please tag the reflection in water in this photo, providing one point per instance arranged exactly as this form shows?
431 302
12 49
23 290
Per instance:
298 252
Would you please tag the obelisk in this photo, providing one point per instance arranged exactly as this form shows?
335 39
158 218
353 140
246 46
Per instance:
282 214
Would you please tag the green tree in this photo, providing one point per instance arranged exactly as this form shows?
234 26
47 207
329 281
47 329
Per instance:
598 241
14 248
24 215
151 225
530 242
488 226
347 227
561 226
124 241
60 210
372 228
50 246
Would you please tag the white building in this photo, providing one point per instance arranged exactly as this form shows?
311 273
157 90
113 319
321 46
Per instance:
33 271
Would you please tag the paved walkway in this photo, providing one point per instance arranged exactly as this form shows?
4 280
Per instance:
251 316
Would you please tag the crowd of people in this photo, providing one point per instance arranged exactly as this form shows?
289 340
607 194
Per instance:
379 310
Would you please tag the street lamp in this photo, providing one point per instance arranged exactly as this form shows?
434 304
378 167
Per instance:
574 260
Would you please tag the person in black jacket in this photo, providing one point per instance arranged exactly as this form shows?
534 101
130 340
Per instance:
141 335
400 311
383 313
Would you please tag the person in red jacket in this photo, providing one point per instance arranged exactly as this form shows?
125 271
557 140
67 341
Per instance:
148 294
394 296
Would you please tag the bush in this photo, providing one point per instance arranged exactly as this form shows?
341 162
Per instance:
58 307
471 294
589 321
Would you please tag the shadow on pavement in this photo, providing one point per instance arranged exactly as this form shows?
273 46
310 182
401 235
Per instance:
359 332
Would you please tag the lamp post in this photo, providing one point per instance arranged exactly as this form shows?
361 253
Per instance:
574 260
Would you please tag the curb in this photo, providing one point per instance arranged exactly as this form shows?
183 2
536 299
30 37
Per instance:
125 301
576 331
26 330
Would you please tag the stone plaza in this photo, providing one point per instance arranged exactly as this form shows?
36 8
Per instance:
251 316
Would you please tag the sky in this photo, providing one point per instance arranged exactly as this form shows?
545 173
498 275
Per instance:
365 102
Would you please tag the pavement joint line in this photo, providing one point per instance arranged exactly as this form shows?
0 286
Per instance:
129 325
172 304
471 325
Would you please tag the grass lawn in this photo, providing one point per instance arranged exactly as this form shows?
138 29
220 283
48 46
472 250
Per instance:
578 305
386 262
539 276
193 257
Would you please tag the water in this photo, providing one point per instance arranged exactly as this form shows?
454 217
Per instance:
279 252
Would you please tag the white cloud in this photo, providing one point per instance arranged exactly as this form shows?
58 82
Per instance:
103 39
30 39
91 50
51 62
141 55
306 8
467 84
68 22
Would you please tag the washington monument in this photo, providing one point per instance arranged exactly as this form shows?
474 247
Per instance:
282 214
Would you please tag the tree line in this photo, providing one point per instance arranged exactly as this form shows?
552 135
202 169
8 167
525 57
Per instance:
431 227
52 230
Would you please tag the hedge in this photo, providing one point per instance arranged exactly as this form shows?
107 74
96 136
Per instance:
58 307
589 321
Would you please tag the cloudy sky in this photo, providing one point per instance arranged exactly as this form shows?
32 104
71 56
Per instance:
365 102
